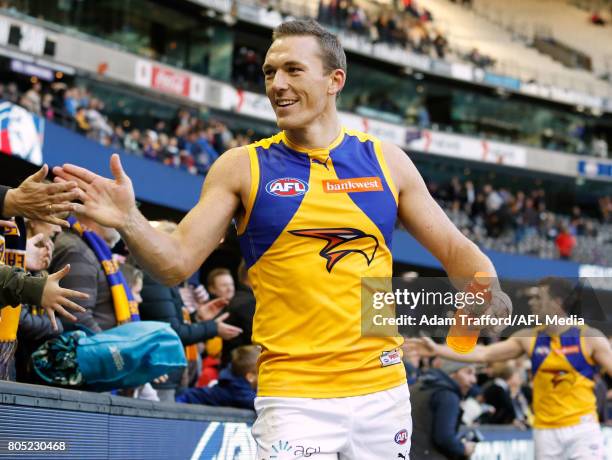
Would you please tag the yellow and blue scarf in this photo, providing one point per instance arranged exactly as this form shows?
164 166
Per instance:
126 309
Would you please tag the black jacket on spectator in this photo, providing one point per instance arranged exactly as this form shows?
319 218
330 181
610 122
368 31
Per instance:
34 330
498 396
86 275
231 390
437 413
162 303
3 191
241 310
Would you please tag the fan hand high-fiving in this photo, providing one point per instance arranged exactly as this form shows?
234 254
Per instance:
109 202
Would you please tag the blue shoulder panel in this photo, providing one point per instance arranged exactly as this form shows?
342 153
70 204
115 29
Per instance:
352 159
571 338
283 182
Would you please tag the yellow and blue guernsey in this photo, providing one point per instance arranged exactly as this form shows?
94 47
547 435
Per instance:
563 385
317 221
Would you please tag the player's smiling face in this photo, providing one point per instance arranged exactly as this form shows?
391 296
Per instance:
297 84
543 304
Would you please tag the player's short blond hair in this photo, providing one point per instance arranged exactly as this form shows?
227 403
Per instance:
332 53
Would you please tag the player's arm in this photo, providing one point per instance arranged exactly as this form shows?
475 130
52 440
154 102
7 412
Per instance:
511 348
172 258
428 223
601 351
169 258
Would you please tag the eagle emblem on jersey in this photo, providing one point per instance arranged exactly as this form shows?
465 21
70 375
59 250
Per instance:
567 379
341 242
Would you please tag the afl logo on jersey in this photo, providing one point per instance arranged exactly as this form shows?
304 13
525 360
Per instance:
287 186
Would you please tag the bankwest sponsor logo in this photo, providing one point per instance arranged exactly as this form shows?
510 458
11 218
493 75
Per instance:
569 350
356 184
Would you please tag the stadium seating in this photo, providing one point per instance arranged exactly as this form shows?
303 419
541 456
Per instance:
554 18
467 30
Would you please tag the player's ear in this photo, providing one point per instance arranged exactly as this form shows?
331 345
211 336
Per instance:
337 79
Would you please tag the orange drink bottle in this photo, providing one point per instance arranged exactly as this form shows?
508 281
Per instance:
461 336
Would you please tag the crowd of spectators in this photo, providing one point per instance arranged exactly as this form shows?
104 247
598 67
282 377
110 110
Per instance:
188 141
203 318
498 213
213 321
193 144
406 24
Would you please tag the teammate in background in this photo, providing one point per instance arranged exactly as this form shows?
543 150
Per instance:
315 207
563 362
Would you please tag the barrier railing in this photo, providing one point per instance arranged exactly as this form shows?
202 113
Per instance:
39 421
43 422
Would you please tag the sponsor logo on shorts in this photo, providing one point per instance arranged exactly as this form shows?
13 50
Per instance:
295 452
389 358
286 187
401 437
355 184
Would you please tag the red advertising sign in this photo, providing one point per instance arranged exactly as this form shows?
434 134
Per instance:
170 82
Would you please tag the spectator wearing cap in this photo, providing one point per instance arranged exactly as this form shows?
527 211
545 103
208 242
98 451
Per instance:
436 399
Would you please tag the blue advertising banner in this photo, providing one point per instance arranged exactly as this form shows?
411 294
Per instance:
21 133
153 182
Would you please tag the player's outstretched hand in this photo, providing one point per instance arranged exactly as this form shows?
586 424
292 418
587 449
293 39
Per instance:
55 298
38 200
7 224
211 309
161 379
499 307
38 253
107 201
226 331
423 345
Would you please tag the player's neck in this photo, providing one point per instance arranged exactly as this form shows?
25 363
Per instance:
317 135
553 329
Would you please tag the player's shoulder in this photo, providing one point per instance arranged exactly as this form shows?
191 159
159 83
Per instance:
525 336
589 331
267 142
230 170
231 158
527 332
362 136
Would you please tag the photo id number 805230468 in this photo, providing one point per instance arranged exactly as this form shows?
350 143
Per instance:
16 446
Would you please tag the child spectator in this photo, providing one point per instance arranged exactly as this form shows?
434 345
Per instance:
237 384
